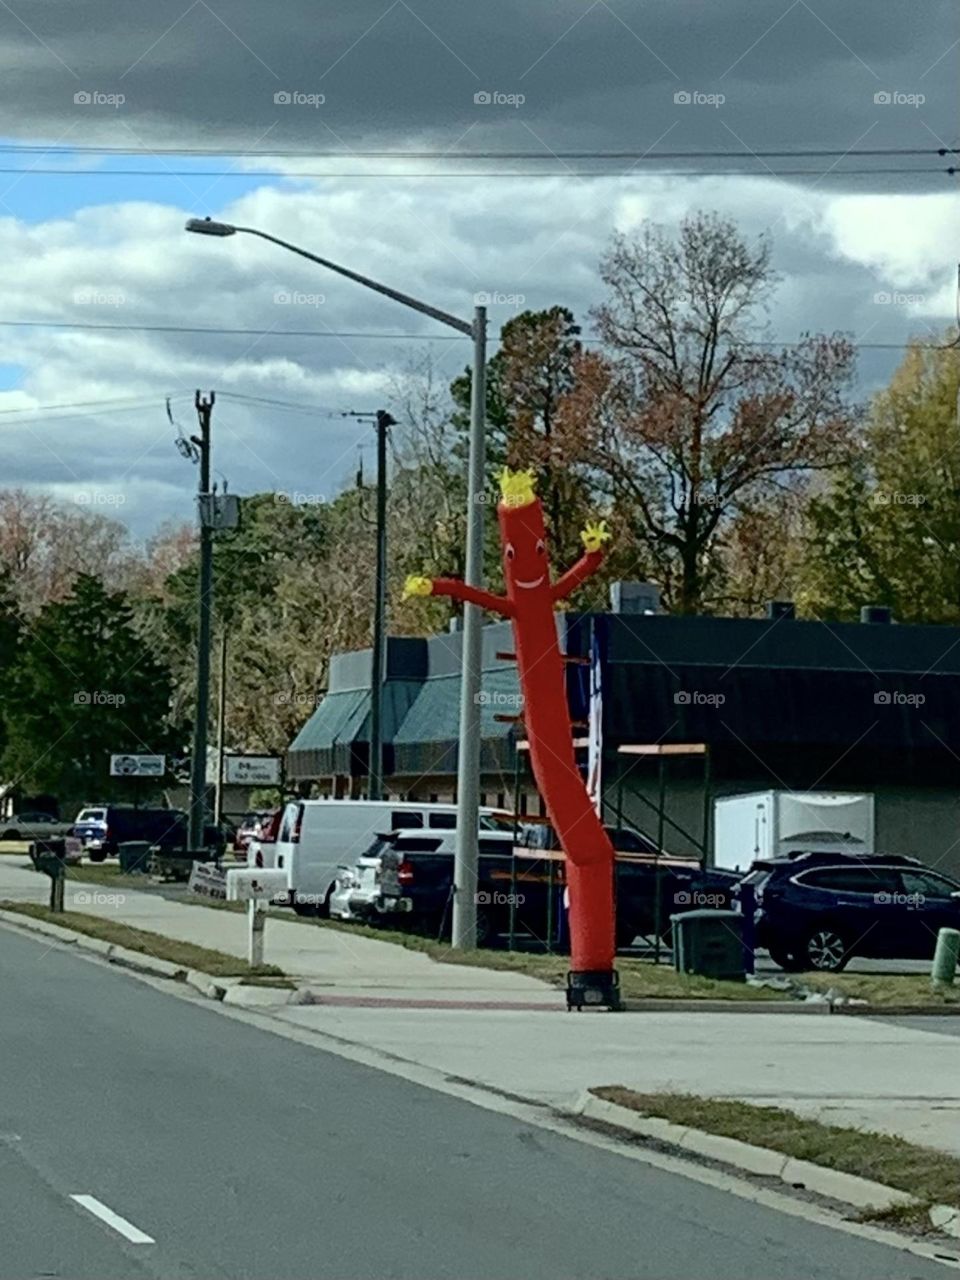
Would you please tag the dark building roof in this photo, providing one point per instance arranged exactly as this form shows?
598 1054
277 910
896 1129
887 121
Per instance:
807 702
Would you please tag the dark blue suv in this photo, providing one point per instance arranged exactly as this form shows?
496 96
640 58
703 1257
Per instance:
817 910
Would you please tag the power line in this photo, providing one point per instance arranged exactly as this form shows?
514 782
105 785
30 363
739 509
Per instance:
633 171
15 148
405 337
116 405
245 333
300 406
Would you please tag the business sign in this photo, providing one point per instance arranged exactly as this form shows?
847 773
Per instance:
252 771
208 881
138 766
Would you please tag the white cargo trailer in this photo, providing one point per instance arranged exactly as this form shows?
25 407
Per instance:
769 824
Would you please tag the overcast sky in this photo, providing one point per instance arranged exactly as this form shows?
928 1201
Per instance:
92 245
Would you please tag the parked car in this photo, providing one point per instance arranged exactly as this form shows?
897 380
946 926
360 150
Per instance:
642 876
415 879
32 826
261 848
249 828
103 828
817 910
316 837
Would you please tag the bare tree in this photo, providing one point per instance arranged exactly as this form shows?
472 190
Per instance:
687 416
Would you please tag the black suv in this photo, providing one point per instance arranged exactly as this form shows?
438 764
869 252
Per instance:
817 910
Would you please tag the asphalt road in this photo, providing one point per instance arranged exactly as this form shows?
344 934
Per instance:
244 1154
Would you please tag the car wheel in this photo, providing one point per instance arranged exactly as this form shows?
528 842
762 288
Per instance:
488 929
11 835
786 960
826 950
306 909
625 936
97 855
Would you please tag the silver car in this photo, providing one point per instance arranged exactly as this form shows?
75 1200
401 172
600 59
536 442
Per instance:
32 826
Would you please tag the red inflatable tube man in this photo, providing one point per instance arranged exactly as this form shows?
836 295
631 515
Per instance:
529 603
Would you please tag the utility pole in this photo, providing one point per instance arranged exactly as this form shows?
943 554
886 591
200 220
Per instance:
383 422
221 727
198 778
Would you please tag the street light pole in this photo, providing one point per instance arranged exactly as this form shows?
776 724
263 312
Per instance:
198 772
468 764
466 856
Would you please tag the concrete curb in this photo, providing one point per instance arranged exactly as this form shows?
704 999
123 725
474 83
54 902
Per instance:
653 1004
256 997
898 1010
226 990
945 1218
122 956
846 1187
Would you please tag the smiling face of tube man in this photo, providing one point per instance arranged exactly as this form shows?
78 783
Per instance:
526 567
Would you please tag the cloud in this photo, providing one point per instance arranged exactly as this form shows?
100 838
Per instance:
601 73
604 74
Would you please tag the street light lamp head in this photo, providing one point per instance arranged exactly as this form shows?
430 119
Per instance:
207 227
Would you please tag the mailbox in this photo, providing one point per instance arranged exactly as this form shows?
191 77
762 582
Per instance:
247 884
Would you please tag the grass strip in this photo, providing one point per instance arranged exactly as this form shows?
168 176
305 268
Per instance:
186 954
932 1176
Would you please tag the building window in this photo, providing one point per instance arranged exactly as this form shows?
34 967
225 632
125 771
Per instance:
501 800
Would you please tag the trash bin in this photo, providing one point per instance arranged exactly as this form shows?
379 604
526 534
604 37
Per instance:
709 942
133 855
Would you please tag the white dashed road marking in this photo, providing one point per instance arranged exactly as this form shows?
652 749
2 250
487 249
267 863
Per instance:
125 1228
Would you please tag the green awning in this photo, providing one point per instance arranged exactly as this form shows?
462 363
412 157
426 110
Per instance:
426 741
336 738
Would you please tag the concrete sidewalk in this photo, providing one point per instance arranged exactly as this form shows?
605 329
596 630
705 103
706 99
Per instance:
328 960
860 1072
872 1073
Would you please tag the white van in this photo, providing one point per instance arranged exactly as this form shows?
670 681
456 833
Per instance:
317 837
